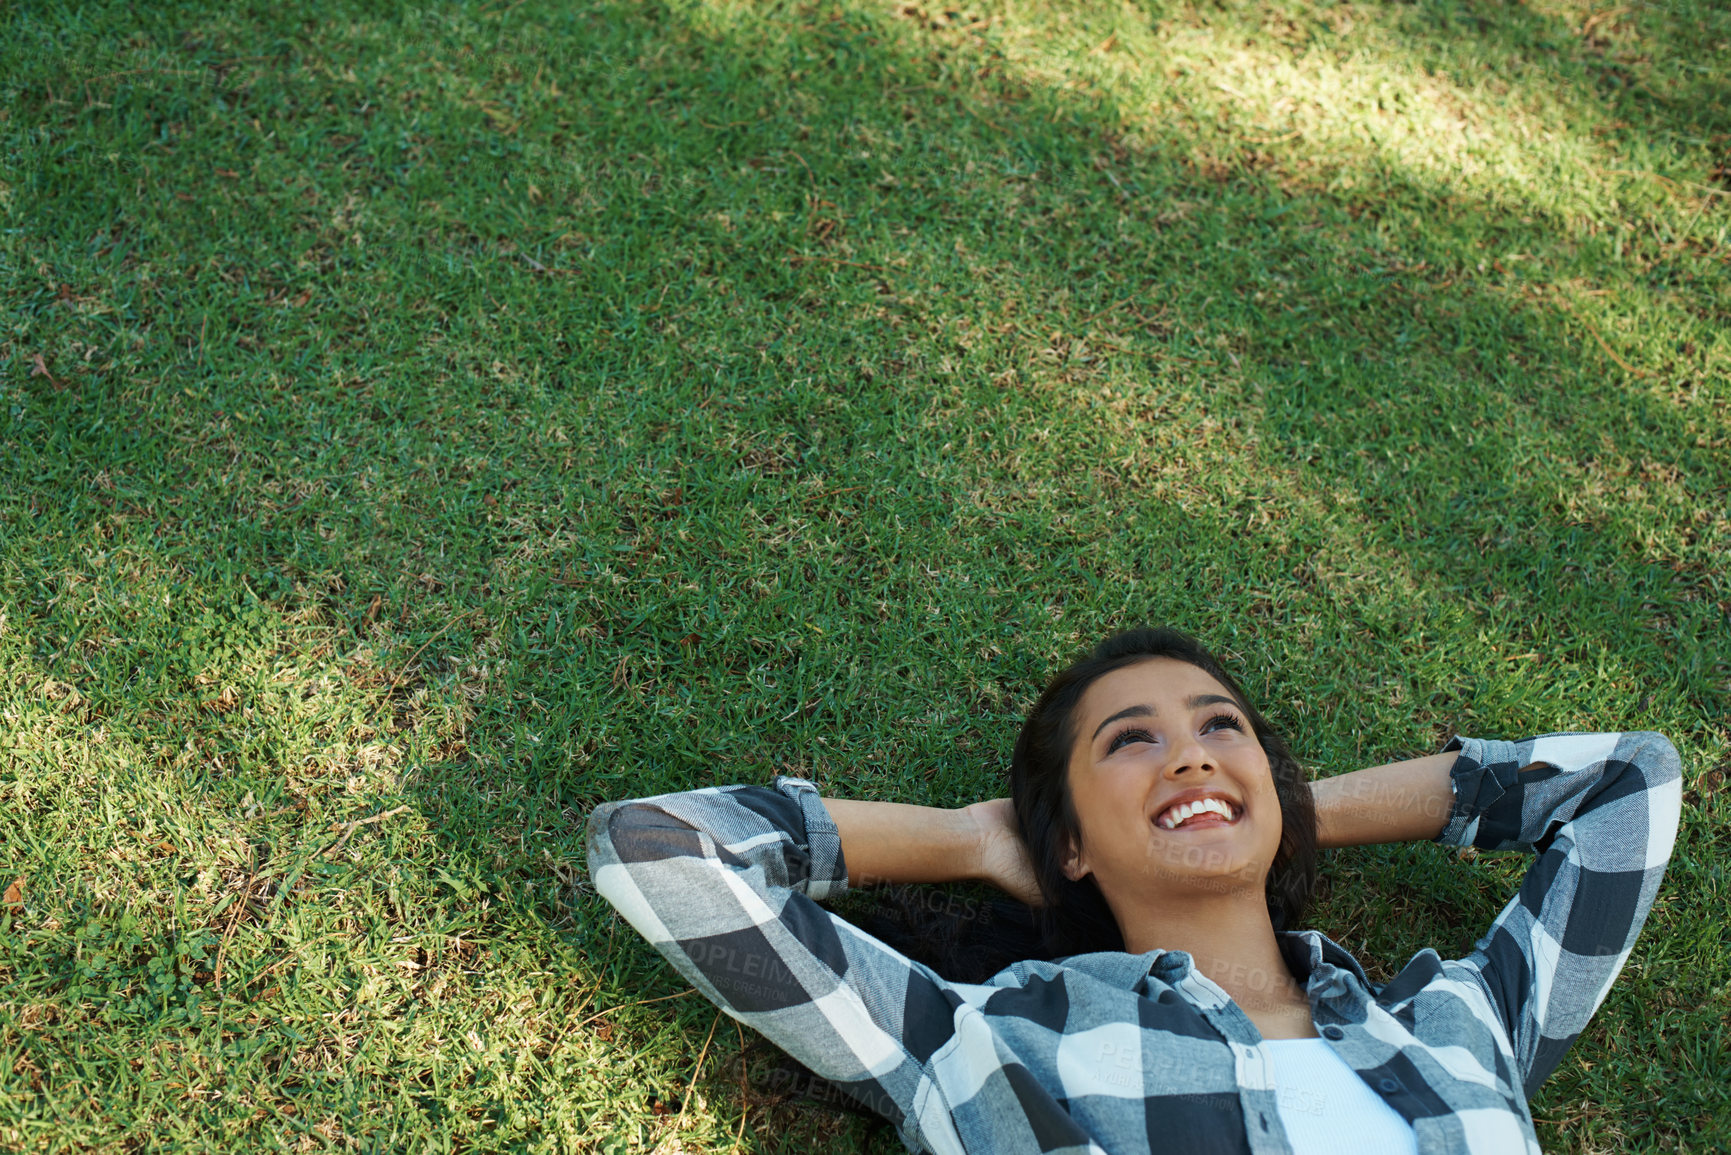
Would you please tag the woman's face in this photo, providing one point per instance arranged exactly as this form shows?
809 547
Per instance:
1172 790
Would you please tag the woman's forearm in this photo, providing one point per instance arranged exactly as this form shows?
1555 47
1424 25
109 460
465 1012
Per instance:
885 842
1399 802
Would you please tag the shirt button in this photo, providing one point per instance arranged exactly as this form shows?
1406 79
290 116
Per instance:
1333 1033
1389 1086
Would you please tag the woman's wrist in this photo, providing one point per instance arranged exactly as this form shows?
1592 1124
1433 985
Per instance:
987 820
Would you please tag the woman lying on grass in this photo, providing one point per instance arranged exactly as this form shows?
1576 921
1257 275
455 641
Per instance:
1167 836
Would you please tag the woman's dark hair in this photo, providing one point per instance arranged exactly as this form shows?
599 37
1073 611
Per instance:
968 935
1075 918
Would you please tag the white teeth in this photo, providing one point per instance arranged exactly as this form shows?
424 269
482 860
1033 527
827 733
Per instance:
1175 817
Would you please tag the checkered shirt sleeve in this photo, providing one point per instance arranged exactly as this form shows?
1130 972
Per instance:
1600 811
723 882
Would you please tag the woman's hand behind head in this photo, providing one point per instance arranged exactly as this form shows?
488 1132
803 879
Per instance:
1003 856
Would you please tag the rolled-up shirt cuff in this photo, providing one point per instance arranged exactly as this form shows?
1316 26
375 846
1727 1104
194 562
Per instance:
822 839
1484 781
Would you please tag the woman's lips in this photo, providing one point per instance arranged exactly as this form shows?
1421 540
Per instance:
1198 814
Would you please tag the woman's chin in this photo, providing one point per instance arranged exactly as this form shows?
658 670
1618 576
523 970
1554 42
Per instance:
1222 875
1216 856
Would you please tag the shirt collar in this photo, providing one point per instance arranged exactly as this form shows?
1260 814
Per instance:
1305 952
1308 950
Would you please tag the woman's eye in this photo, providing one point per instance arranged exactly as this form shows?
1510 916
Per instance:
1127 737
1222 722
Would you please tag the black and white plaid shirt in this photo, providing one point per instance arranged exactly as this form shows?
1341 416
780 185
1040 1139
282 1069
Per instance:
1124 1052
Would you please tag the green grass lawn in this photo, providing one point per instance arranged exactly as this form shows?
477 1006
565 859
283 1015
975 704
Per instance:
422 421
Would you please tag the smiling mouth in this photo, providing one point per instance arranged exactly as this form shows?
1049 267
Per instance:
1198 813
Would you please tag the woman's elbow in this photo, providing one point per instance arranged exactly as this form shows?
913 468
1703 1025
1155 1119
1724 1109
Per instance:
1657 756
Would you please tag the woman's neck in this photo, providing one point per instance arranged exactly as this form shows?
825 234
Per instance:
1230 940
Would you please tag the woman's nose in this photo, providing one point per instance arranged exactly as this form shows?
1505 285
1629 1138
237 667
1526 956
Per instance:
1188 757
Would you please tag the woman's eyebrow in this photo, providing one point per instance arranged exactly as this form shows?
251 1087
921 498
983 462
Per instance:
1127 712
1194 702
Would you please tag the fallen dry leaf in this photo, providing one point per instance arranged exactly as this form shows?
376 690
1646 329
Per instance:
14 896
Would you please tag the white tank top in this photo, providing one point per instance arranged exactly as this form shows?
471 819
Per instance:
1327 1109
